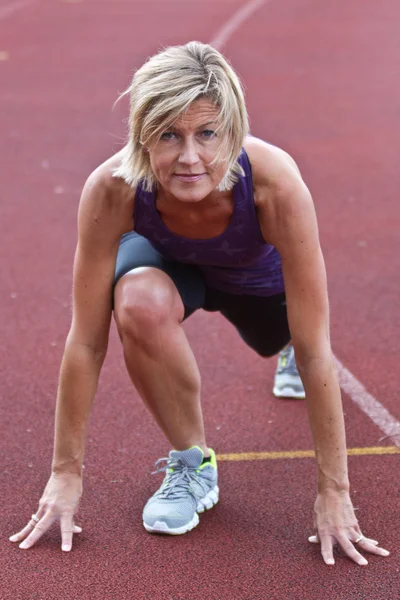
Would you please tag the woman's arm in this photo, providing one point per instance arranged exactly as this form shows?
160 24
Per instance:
104 215
288 221
295 235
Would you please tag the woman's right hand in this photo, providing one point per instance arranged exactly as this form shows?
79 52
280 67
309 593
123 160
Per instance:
59 502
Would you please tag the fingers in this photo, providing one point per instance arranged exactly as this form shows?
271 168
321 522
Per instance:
67 531
34 530
314 539
327 549
372 547
18 537
370 541
351 549
40 528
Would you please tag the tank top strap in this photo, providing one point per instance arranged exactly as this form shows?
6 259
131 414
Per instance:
244 198
143 208
244 186
244 162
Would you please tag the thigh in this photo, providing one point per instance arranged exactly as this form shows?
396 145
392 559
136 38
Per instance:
136 251
261 321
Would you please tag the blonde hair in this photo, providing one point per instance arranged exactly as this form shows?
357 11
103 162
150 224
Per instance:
163 88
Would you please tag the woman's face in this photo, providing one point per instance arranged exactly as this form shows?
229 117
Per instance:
181 159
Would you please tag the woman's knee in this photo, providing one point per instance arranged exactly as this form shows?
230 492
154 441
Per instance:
145 299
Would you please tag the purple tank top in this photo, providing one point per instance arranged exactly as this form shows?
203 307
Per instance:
238 261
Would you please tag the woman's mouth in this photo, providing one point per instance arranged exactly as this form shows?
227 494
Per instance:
189 178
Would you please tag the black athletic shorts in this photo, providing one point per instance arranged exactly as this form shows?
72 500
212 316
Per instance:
260 321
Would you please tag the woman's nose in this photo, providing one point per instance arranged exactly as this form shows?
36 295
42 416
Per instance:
189 154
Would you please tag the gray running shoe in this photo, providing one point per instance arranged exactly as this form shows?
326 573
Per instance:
287 382
189 487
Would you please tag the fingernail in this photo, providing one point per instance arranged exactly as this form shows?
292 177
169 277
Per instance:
65 548
13 538
78 529
363 562
23 546
330 561
385 552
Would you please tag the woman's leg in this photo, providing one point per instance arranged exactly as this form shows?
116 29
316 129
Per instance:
149 311
262 323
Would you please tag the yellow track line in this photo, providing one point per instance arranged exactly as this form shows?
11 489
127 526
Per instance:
373 450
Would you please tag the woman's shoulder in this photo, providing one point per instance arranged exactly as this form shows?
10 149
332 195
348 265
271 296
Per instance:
280 194
270 165
106 179
276 177
108 188
107 200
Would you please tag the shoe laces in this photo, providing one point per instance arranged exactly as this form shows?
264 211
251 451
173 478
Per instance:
287 362
180 477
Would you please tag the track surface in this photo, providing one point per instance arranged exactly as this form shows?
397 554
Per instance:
322 82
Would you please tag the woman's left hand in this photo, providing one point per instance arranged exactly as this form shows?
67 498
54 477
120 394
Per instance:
335 522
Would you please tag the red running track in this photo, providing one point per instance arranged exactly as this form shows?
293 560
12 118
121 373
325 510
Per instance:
322 82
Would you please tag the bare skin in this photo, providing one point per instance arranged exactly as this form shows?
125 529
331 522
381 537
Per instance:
158 357
149 312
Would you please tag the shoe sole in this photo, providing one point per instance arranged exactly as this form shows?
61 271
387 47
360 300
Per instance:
288 392
203 504
288 386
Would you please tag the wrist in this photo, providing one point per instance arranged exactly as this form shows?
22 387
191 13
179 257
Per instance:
328 484
66 466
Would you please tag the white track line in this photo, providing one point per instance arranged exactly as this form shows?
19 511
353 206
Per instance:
6 11
368 404
349 384
235 22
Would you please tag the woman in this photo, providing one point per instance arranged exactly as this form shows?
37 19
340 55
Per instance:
226 224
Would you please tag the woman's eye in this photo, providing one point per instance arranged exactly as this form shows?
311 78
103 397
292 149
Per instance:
167 135
208 133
